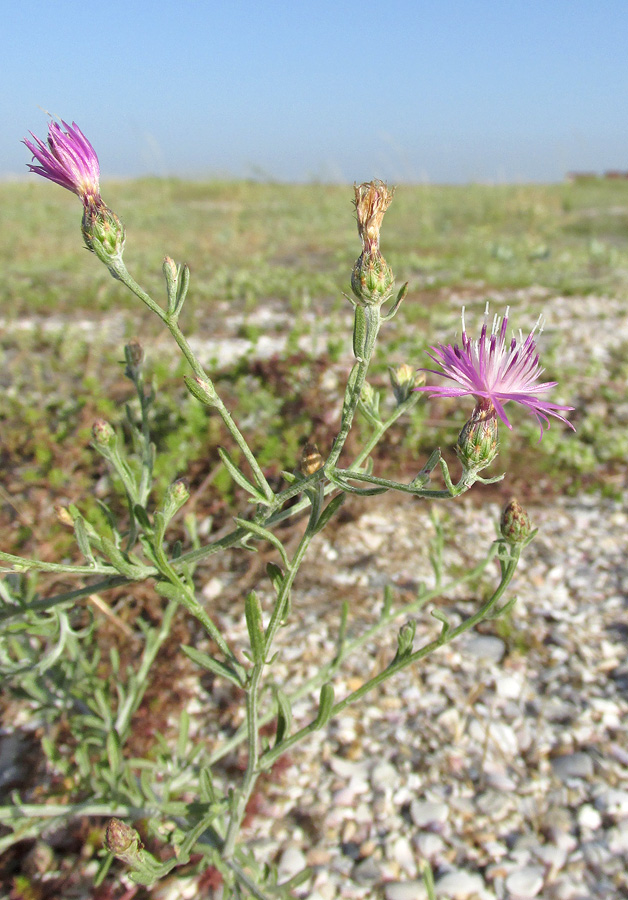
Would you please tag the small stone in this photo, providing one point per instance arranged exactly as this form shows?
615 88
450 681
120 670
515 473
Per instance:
430 845
617 839
613 801
508 687
573 765
596 854
213 589
459 884
495 804
366 871
402 853
291 863
553 856
384 776
589 817
426 812
405 890
318 856
525 883
486 647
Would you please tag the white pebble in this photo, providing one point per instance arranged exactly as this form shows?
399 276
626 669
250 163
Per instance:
589 817
430 845
525 882
402 852
384 775
426 812
405 890
291 863
459 884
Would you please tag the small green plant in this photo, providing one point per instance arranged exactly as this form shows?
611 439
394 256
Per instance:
47 653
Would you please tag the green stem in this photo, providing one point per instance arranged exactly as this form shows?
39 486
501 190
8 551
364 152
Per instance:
187 598
252 698
508 570
172 325
147 454
354 389
351 647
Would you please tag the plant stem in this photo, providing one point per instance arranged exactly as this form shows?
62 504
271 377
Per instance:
172 325
354 389
508 570
350 648
252 698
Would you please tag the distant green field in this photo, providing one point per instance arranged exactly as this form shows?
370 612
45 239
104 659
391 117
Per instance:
246 242
290 249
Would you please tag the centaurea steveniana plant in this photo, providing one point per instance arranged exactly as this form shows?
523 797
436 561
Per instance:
181 792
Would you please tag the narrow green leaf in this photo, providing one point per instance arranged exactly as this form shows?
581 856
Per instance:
405 639
325 705
388 600
184 731
284 716
184 283
264 534
239 477
442 618
212 665
82 539
114 751
275 574
142 517
119 561
332 507
168 590
255 626
206 786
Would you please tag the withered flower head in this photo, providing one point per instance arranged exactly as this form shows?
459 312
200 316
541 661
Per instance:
372 199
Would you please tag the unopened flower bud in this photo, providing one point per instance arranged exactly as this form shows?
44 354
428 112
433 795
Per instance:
372 279
171 272
134 353
311 459
103 433
404 379
176 495
478 442
122 840
368 395
63 516
515 523
103 232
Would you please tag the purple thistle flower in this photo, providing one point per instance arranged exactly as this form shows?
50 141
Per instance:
494 371
68 159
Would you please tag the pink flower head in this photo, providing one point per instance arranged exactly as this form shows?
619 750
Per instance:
495 370
68 159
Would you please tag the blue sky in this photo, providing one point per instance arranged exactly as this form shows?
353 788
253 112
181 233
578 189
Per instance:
442 91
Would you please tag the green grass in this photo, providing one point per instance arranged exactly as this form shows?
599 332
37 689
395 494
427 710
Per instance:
289 249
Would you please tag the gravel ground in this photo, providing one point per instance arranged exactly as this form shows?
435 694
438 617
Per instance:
502 758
